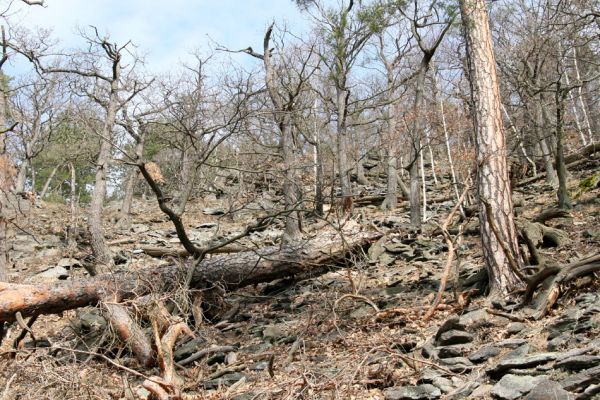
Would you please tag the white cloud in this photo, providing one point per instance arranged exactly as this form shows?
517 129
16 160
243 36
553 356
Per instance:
166 31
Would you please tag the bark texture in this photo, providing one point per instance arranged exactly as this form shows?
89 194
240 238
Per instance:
492 172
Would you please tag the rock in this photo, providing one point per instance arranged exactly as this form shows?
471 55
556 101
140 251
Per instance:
449 324
444 384
457 350
273 333
482 391
225 380
578 363
511 343
139 228
457 364
484 353
481 318
217 358
581 380
385 259
51 274
213 211
515 327
533 360
189 348
548 389
514 386
376 249
397 248
454 336
69 263
420 392
207 225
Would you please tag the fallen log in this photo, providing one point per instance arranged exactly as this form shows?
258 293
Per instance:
231 271
183 253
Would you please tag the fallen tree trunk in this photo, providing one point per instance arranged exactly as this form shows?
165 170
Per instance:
231 271
183 253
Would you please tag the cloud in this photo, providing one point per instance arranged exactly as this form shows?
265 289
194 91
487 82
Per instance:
166 31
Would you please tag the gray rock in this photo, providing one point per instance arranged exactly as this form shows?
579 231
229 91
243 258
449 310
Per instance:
481 318
189 348
69 263
581 380
529 361
444 384
457 364
225 380
454 336
273 332
578 363
451 323
457 350
421 392
213 211
548 389
482 391
207 225
513 386
515 327
51 274
511 343
139 228
484 353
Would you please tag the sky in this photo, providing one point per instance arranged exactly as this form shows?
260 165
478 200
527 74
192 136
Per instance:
164 31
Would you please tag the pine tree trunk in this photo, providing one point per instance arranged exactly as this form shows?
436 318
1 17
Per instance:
492 174
48 182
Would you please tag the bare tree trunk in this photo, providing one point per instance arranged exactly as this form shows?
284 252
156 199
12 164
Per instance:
21 176
492 174
592 110
447 142
125 220
48 181
391 197
100 249
586 119
318 161
188 177
342 149
551 176
73 203
564 202
415 149
290 191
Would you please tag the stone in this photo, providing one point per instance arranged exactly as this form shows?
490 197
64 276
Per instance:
444 384
581 380
515 327
225 380
68 263
188 348
481 318
207 225
273 332
139 228
514 386
420 392
51 274
511 343
457 364
213 211
454 336
482 391
457 350
484 353
578 363
548 389
451 323
529 361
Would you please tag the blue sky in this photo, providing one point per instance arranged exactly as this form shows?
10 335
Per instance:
164 31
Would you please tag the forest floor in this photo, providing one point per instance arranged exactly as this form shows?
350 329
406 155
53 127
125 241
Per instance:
352 333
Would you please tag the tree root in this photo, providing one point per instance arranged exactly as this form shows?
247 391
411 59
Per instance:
562 275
